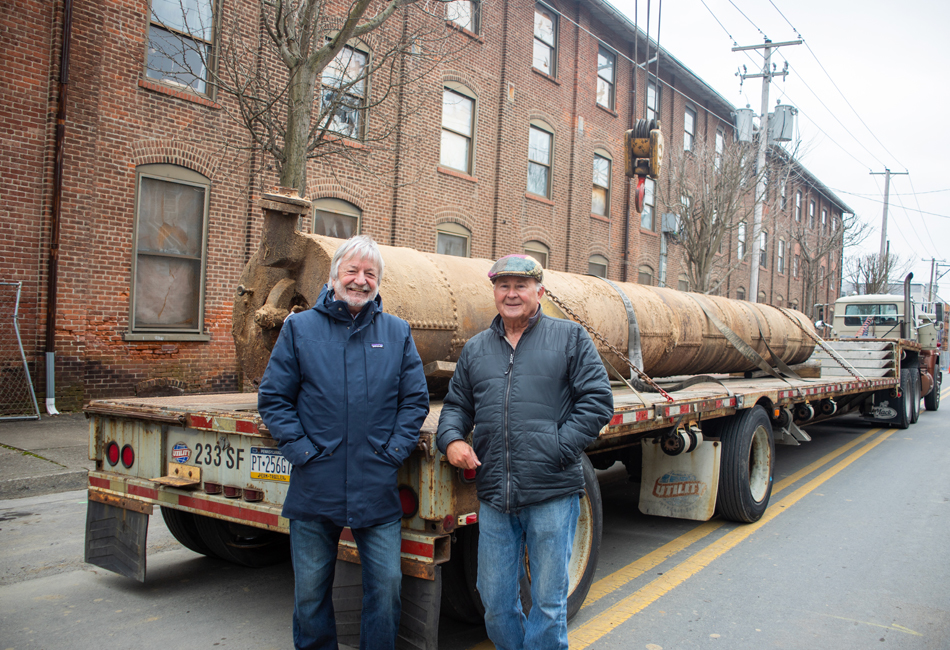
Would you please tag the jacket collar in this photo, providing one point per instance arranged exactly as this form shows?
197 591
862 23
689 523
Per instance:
339 310
498 325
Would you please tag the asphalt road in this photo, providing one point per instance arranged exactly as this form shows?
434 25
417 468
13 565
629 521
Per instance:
850 555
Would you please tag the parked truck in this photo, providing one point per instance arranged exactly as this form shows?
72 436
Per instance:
704 388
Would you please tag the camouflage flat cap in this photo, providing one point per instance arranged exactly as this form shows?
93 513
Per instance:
523 266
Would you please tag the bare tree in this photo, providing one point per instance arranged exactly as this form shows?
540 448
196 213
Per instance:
817 245
869 275
712 194
300 77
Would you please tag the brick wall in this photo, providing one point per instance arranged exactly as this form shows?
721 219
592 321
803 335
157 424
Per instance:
117 120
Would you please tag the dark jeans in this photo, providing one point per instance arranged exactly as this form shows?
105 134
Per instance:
313 550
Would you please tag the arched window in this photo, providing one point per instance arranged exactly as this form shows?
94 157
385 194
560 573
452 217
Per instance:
740 293
597 265
683 282
538 251
645 275
336 218
171 242
453 239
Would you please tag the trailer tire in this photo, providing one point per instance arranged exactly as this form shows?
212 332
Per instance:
745 476
182 526
583 564
906 406
241 544
932 401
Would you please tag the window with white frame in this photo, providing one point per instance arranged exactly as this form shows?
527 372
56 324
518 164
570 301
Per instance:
796 265
689 128
335 218
606 76
458 127
180 43
740 247
824 219
811 215
784 196
597 265
343 97
780 262
540 149
168 268
600 198
798 207
653 100
646 217
545 40
453 239
645 275
763 249
538 251
464 13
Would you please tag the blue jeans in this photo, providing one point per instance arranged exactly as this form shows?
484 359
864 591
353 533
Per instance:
313 546
548 531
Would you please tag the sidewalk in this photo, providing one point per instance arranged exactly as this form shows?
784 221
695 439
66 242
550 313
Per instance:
44 456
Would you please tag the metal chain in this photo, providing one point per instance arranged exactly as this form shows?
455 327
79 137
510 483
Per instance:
646 378
827 348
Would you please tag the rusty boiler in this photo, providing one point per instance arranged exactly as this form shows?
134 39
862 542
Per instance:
447 300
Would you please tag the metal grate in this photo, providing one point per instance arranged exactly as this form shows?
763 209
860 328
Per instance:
17 399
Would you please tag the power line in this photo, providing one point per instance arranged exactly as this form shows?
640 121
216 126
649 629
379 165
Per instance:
867 198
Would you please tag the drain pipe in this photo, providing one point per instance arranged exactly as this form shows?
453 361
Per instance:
53 269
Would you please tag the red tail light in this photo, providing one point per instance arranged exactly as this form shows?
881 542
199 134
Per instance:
468 475
112 452
128 456
409 501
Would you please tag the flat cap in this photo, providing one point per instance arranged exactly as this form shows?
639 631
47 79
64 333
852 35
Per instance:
523 266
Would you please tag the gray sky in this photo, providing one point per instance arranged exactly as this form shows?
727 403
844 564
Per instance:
889 61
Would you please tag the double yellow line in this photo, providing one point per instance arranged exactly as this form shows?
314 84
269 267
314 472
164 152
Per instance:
598 626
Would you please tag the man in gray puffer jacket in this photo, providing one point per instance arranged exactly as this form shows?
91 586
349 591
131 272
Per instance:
537 394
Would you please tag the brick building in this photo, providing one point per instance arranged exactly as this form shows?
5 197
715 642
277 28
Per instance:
515 145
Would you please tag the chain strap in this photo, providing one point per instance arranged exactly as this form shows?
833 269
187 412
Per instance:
643 376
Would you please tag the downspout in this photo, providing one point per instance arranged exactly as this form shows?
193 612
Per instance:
53 267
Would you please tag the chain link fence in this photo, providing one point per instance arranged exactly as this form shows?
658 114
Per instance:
17 398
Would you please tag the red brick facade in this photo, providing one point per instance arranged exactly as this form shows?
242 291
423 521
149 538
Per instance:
117 120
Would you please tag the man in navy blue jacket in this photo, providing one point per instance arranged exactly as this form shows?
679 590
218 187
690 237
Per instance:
344 395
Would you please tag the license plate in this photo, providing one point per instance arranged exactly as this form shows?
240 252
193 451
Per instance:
269 464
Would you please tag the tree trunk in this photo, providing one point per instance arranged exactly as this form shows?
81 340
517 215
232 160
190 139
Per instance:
293 171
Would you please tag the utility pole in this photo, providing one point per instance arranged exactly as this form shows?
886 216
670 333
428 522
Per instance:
887 173
933 270
766 75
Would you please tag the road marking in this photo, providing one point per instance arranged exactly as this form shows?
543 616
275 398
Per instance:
894 626
608 620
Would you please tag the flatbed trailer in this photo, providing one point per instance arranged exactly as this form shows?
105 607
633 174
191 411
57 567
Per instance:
209 464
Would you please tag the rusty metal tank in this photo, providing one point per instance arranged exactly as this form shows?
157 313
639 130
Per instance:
447 300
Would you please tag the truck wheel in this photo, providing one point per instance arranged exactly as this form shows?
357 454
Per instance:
915 401
244 545
905 406
590 526
182 526
932 401
745 476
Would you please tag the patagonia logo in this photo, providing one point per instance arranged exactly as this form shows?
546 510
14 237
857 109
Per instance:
376 345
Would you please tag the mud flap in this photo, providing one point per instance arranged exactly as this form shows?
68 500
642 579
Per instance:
115 539
419 624
683 486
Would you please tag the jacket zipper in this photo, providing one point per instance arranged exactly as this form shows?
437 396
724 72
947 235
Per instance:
511 361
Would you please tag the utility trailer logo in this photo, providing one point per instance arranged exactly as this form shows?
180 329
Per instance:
180 452
670 486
